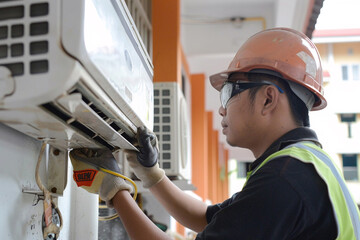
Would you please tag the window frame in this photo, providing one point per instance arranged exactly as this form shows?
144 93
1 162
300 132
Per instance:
350 73
350 170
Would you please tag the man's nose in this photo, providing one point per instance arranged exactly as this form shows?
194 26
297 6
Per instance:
222 111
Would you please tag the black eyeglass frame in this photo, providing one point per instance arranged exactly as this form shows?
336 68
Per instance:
240 86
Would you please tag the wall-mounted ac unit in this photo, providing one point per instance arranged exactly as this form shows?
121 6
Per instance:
74 73
172 127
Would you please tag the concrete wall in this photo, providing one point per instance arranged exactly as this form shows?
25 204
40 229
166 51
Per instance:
19 219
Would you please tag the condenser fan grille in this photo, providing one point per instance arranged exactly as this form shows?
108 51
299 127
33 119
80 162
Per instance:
162 124
171 125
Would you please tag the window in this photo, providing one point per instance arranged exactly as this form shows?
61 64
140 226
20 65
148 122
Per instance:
350 72
242 168
350 167
348 118
344 71
355 72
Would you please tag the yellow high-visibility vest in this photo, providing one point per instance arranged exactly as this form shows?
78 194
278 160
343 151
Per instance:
346 211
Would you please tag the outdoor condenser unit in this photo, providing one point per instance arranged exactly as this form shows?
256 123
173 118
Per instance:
172 127
74 73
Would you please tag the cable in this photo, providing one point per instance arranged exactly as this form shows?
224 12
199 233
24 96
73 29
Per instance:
37 176
237 21
41 186
111 217
108 218
123 177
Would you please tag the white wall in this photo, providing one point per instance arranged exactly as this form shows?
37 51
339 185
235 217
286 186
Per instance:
19 219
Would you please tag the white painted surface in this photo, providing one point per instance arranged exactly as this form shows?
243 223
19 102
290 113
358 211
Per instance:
18 218
337 14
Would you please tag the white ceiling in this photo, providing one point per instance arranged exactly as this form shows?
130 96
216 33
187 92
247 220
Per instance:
210 38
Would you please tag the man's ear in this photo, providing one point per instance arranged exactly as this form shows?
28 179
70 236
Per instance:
270 99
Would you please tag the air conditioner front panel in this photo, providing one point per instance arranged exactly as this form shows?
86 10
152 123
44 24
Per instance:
111 53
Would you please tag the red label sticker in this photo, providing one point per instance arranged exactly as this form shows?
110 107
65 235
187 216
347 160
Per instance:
85 177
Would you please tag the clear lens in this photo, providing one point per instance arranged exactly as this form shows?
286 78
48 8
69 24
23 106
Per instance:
225 93
228 91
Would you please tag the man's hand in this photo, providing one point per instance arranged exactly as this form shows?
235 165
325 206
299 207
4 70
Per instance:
110 186
148 147
86 163
145 162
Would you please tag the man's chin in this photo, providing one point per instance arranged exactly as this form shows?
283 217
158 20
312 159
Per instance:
230 142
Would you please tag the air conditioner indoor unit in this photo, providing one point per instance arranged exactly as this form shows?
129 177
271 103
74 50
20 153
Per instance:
172 127
74 73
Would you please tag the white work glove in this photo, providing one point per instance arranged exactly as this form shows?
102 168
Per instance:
88 177
110 186
145 162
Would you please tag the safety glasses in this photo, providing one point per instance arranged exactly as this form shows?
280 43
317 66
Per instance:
230 89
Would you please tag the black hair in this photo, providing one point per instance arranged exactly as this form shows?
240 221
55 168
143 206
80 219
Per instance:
298 108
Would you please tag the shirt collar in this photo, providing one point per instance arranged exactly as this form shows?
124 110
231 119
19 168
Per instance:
293 136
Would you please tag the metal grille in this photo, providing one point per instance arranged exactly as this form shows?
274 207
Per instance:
162 124
24 27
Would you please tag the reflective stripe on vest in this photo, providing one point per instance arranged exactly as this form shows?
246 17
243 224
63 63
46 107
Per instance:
346 211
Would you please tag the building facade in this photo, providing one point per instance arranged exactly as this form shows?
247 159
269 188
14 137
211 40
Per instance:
338 125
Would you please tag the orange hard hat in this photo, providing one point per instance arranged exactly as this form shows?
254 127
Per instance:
282 50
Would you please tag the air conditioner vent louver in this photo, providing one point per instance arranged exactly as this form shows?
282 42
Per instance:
102 115
83 128
75 124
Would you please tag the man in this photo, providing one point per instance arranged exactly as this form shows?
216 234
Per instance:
293 191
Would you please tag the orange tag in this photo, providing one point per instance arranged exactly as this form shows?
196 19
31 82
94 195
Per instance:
85 177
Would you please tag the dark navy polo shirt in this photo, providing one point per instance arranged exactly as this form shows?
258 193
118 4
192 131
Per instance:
284 199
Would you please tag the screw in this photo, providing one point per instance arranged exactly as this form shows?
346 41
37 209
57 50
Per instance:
56 152
50 236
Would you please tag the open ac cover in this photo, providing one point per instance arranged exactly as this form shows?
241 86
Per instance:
78 74
172 128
